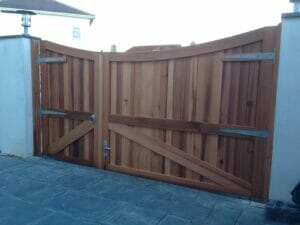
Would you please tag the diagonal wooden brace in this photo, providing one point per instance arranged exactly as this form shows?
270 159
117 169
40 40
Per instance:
201 167
72 136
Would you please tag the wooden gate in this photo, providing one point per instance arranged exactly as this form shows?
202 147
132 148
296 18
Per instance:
200 116
70 104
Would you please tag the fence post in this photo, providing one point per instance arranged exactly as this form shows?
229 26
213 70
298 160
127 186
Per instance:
106 101
286 144
36 96
16 111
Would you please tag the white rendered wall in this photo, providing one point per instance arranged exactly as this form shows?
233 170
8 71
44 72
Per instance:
285 172
16 120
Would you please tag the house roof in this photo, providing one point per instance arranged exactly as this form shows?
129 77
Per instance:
44 7
147 48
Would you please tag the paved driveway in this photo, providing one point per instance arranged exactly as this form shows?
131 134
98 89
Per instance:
39 191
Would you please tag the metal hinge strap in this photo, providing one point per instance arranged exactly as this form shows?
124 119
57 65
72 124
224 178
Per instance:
51 60
253 133
51 112
68 114
249 56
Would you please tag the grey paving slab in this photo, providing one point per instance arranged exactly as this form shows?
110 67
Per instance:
38 191
21 187
223 215
189 210
61 219
41 196
6 162
78 204
135 216
174 220
17 212
254 215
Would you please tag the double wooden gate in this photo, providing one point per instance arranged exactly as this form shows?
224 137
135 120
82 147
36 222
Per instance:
199 116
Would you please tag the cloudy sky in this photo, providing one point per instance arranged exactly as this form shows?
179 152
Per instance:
143 22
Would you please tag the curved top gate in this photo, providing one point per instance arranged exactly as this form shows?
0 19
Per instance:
200 116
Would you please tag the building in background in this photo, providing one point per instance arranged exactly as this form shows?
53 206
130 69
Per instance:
47 19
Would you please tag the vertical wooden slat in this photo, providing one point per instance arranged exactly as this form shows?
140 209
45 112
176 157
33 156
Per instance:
159 110
196 115
92 86
242 145
61 99
86 105
67 105
147 71
201 93
126 78
170 87
233 110
265 103
45 99
119 97
191 107
252 91
76 101
98 93
215 88
113 110
104 105
137 110
181 77
54 99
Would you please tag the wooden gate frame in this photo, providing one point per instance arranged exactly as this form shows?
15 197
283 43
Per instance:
103 112
260 188
37 51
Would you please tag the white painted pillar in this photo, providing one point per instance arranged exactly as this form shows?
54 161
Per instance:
285 173
16 113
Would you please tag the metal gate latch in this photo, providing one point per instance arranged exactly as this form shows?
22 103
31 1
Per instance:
106 149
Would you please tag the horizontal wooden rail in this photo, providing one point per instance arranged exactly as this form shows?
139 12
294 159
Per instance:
75 115
65 50
191 126
201 167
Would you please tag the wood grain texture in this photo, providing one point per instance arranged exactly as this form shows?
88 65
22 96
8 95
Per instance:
170 90
69 88
113 110
176 180
86 105
181 125
180 157
202 93
73 135
174 99
35 71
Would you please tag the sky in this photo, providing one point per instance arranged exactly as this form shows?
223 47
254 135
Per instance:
143 22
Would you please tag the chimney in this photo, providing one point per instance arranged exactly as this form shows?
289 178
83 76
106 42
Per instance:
26 21
296 5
